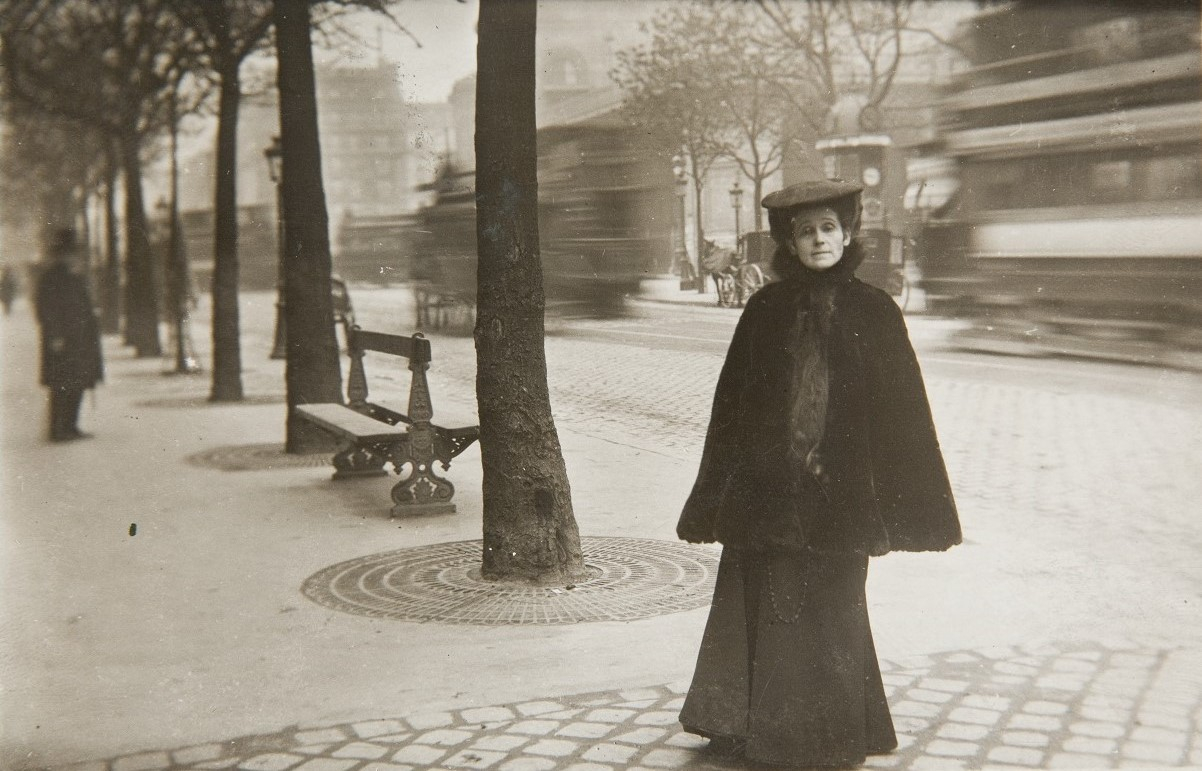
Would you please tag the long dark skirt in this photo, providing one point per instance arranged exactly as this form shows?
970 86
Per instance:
787 662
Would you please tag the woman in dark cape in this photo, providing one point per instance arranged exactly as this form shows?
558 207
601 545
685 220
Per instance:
820 453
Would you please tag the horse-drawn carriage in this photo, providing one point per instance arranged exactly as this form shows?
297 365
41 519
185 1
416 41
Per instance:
738 274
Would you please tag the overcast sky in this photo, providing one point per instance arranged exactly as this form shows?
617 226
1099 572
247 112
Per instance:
446 31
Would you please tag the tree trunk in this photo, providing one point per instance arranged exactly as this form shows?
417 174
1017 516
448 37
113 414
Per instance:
698 199
111 290
530 532
226 385
141 297
312 371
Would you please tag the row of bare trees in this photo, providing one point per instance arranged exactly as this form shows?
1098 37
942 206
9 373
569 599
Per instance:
92 88
756 82
101 74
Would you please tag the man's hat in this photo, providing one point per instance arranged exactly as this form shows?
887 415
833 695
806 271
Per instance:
843 197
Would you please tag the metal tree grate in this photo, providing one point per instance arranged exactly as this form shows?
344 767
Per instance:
631 579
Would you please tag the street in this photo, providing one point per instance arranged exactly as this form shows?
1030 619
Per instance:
1063 632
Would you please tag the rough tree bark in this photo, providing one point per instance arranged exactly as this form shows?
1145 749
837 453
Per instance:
530 532
312 373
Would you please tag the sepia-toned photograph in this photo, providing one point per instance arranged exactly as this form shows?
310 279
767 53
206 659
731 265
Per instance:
600 385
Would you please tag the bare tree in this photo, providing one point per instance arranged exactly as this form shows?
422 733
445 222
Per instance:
312 373
748 86
228 32
108 64
671 92
846 47
530 531
757 82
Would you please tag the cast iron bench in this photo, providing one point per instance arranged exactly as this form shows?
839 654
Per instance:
372 435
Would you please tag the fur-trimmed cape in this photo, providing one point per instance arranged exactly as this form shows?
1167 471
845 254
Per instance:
882 484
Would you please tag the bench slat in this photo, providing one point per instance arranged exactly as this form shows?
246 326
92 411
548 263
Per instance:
346 422
413 348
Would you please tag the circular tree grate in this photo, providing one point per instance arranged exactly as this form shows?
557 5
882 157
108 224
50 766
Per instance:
256 457
630 579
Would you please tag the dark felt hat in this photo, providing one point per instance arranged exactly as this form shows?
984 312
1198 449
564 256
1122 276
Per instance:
839 195
843 197
810 193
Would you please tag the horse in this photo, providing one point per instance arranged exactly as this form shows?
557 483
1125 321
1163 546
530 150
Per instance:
723 265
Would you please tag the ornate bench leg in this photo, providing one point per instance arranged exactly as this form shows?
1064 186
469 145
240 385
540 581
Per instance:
422 492
353 462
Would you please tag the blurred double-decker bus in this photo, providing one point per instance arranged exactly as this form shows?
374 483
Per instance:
1075 133
604 217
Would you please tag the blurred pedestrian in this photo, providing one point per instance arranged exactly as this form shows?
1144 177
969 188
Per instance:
8 288
71 357
820 453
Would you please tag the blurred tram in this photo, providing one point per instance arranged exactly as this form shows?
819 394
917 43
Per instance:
376 248
604 213
1076 225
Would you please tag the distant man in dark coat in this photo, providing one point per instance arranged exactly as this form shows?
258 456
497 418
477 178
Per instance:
71 357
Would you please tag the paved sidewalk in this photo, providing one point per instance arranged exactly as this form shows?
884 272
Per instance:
1044 706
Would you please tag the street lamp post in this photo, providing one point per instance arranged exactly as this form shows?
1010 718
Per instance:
684 267
736 202
275 167
178 285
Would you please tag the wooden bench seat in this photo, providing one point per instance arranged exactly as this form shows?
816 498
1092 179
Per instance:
349 424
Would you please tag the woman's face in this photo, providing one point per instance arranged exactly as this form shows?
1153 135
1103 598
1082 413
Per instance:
818 238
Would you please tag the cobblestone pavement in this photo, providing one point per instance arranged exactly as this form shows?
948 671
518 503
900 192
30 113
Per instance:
1118 705
1049 452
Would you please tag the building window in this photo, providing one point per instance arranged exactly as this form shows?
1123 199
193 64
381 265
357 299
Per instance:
1173 178
1110 180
